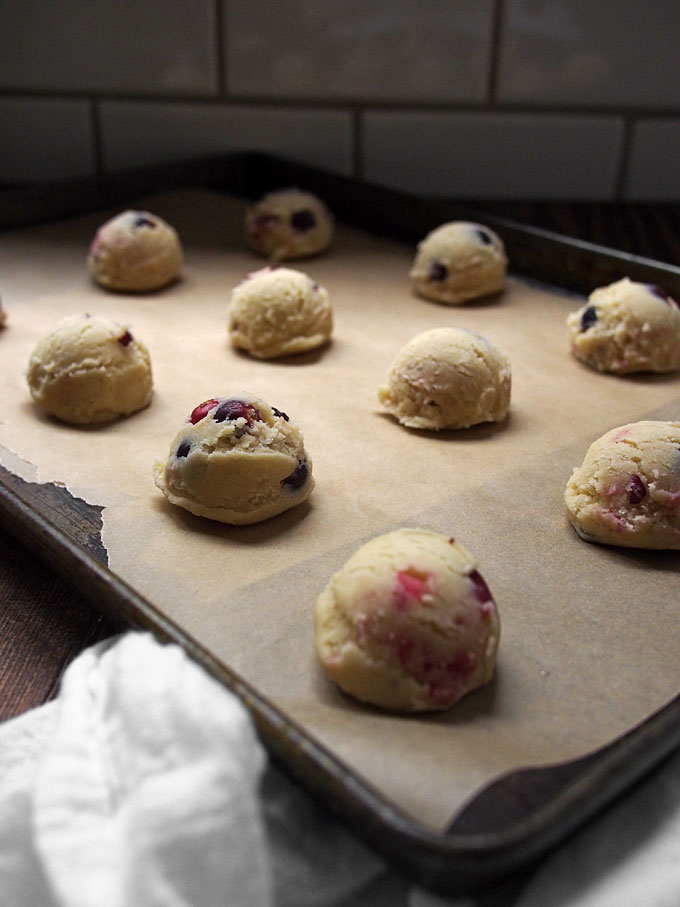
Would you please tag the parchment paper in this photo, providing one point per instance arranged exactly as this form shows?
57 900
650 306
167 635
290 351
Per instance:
589 643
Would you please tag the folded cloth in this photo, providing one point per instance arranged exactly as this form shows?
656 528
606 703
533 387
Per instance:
137 786
144 785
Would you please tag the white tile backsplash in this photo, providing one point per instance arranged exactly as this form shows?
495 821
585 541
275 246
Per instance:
155 47
590 52
388 50
489 155
135 133
654 163
45 139
513 98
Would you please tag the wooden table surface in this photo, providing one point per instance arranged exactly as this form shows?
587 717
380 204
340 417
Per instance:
44 624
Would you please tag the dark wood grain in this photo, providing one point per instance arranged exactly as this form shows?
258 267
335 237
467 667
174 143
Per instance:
44 624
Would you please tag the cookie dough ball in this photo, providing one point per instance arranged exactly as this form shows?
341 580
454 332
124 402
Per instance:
447 378
408 623
279 312
627 490
236 460
459 261
289 224
627 327
135 252
90 369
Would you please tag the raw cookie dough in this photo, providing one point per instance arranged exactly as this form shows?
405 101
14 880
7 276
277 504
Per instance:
627 490
135 252
447 378
236 460
408 623
459 261
288 224
627 327
90 369
279 312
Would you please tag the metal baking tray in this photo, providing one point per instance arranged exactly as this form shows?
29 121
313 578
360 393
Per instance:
517 818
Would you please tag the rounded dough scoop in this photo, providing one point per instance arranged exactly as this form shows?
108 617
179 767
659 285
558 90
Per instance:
90 369
408 623
627 327
448 378
236 460
458 262
135 252
626 492
288 224
277 312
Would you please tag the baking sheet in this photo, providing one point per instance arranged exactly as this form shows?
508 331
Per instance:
589 634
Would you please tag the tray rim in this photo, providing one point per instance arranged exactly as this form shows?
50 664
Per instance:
454 861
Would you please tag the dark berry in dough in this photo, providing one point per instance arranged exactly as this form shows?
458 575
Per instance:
303 220
437 271
298 477
588 318
183 449
236 409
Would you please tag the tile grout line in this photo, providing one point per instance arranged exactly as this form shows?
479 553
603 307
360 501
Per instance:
345 104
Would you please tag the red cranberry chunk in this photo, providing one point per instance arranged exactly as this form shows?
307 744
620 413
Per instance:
481 588
302 220
588 318
263 223
231 410
404 649
409 588
297 478
637 490
656 290
202 410
125 339
437 271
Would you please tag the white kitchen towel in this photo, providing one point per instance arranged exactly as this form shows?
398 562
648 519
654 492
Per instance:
136 787
144 785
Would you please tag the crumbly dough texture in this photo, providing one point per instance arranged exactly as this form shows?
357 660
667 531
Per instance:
278 311
289 223
236 460
627 490
459 261
408 623
135 252
627 327
447 378
90 369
